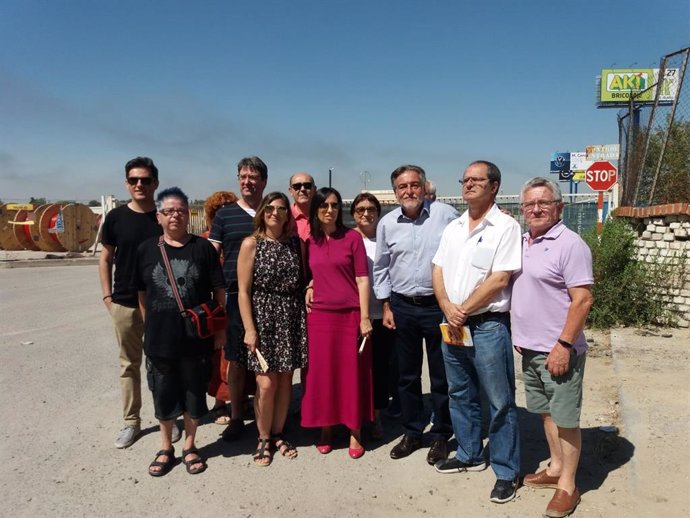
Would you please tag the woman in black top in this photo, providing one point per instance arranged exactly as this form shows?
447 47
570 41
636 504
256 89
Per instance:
178 367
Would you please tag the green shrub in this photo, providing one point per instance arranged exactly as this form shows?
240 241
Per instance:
628 291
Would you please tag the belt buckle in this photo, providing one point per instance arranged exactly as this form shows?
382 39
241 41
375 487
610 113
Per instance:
417 300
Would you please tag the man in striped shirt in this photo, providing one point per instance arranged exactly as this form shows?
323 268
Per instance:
231 225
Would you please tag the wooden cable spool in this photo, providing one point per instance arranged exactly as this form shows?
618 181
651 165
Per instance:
23 232
81 227
8 240
51 227
43 217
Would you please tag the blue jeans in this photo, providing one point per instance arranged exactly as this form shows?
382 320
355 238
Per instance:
414 324
489 365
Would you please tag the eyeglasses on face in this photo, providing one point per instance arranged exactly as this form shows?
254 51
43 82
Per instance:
472 179
542 204
270 209
298 186
329 205
254 178
145 180
361 210
176 212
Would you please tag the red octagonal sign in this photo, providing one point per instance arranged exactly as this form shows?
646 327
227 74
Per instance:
601 176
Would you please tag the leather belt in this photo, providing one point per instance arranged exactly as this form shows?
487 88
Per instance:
485 317
422 300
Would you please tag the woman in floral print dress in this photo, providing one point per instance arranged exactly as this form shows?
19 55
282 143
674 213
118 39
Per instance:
269 274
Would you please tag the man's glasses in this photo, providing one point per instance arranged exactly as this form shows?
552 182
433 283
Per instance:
270 209
542 204
302 185
145 180
329 205
473 180
249 177
362 210
170 212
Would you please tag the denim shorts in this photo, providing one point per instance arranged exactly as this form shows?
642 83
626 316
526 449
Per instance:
560 396
179 385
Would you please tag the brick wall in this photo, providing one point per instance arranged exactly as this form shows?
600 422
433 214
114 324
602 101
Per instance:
663 232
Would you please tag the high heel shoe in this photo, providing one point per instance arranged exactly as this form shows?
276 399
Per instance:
356 453
324 449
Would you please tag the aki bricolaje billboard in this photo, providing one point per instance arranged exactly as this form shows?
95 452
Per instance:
617 85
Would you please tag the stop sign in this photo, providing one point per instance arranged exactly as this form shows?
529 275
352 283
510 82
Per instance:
601 176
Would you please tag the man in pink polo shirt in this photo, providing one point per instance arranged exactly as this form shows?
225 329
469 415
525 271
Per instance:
302 189
552 296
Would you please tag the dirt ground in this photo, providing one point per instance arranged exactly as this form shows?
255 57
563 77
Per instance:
60 402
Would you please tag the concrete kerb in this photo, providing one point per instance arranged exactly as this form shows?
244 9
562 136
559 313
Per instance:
29 259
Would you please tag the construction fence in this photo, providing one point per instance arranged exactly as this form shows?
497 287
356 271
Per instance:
654 139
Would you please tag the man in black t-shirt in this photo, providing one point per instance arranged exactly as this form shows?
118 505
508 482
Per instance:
124 229
231 225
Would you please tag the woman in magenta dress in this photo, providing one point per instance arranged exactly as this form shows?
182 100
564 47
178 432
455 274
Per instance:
337 384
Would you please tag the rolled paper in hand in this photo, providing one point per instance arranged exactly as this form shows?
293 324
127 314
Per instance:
262 361
361 345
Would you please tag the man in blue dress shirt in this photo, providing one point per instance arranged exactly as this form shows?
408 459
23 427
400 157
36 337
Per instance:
406 241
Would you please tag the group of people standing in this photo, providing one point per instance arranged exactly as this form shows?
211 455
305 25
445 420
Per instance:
353 309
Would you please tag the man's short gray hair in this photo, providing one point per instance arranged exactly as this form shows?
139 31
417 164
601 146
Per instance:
408 167
539 181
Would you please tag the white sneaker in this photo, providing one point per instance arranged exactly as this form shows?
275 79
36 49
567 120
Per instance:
127 436
176 432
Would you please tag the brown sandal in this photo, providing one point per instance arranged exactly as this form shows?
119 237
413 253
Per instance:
283 446
166 466
191 462
263 451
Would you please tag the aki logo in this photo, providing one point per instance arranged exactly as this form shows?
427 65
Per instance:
627 82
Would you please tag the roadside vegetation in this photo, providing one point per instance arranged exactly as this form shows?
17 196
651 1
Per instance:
628 291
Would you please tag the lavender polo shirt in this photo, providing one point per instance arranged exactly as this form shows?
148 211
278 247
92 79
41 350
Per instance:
554 262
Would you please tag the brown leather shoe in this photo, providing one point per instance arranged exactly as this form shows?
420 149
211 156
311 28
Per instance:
562 504
437 452
405 447
540 479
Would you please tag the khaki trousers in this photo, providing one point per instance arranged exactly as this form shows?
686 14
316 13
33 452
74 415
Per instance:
129 330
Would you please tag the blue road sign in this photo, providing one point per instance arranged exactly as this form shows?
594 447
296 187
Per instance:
560 162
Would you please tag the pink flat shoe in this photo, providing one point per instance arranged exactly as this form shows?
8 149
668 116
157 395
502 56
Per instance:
356 453
324 449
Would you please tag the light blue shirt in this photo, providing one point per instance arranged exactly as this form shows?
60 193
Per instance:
405 247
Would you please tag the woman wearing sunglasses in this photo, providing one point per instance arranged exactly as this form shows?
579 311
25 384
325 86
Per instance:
337 383
269 275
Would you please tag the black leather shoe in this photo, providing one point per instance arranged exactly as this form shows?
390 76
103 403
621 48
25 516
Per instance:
405 447
437 452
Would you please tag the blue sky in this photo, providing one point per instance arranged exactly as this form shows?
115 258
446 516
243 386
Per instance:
308 85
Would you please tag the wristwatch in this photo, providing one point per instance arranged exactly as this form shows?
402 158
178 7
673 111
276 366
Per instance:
565 344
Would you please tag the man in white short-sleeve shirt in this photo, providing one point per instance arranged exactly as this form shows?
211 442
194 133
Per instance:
473 265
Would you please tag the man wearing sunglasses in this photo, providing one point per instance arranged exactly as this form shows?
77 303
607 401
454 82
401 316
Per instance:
124 229
302 189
